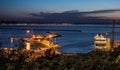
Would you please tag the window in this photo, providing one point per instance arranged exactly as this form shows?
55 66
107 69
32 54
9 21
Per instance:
100 44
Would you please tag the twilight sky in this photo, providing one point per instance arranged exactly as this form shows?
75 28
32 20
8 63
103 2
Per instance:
59 10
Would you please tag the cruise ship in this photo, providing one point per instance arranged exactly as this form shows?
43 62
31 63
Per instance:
102 43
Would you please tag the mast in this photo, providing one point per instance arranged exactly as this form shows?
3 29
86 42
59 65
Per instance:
112 40
106 31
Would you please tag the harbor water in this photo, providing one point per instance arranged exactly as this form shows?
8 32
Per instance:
74 38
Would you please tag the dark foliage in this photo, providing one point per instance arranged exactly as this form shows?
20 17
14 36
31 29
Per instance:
91 61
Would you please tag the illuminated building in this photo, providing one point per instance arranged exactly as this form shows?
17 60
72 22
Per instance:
40 42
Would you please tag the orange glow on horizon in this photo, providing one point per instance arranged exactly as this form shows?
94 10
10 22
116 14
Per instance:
109 15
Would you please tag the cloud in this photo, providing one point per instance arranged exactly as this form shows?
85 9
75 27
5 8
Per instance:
76 16
105 11
105 14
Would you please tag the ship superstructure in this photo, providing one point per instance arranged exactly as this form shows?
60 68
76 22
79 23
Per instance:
102 43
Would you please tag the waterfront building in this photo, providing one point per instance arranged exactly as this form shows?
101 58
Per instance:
39 42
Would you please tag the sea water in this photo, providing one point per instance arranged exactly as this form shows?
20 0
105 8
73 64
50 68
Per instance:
79 38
